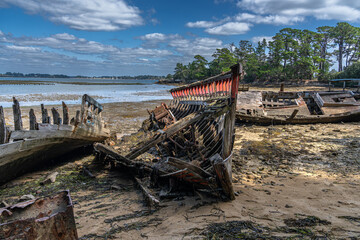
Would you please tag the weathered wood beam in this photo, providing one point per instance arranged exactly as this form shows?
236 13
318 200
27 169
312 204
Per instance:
77 117
110 151
3 134
32 118
17 115
223 176
150 199
65 114
182 164
56 116
293 114
44 115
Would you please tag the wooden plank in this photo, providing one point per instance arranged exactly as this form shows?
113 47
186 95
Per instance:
17 115
33 122
3 136
150 199
182 165
44 115
65 114
56 116
293 114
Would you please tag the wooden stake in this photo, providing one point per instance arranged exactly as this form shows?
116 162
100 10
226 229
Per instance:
44 114
17 115
77 117
2 126
65 114
56 116
33 123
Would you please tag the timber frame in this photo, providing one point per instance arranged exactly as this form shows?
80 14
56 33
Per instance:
188 143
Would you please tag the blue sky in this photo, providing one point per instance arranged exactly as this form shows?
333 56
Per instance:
134 37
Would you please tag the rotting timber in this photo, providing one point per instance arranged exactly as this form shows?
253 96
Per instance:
307 107
43 218
22 150
187 144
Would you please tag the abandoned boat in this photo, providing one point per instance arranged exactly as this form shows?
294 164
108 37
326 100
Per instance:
21 150
297 107
43 218
189 142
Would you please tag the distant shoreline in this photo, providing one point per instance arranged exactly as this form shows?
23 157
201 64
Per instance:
20 82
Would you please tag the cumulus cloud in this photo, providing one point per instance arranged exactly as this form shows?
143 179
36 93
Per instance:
269 19
59 53
92 15
322 9
230 28
203 46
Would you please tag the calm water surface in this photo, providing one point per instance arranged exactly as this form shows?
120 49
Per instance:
54 93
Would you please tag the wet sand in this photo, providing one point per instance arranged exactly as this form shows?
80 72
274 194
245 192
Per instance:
279 173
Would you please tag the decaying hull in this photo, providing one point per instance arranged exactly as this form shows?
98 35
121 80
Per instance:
22 150
43 218
189 141
297 107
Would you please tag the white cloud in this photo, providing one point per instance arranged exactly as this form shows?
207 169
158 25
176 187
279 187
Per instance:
93 15
260 38
230 28
201 24
343 10
203 46
269 19
23 49
154 36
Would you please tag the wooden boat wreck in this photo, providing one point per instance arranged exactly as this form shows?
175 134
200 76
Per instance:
22 150
297 107
43 218
186 144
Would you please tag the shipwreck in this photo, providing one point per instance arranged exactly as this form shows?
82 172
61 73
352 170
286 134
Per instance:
267 107
23 149
188 143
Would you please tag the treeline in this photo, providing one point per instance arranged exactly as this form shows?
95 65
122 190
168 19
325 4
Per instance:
292 54
41 75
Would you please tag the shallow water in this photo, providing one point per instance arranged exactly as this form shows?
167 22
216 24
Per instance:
55 92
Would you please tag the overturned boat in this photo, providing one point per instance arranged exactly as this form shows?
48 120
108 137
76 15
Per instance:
22 150
298 107
188 143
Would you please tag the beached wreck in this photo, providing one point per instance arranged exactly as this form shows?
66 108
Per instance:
44 218
186 144
297 107
22 150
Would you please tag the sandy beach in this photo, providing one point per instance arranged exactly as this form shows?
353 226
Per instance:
298 181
